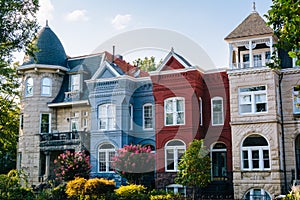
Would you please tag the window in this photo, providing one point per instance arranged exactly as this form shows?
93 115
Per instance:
246 60
21 121
74 121
255 153
130 109
147 116
254 194
106 153
45 122
174 111
174 150
217 111
200 112
252 100
107 117
75 82
296 100
257 59
218 161
46 87
84 122
176 189
29 87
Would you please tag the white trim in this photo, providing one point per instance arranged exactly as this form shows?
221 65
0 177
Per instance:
41 66
83 102
102 67
168 57
106 151
107 117
175 152
144 105
130 108
174 111
201 111
212 111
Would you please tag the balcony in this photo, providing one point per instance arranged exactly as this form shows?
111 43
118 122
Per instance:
246 65
63 140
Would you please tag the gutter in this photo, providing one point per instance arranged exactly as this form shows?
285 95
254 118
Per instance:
282 133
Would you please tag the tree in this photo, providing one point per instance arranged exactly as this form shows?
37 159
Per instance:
146 64
133 162
194 168
18 27
285 20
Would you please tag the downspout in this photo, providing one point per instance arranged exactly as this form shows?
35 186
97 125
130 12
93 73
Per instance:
282 132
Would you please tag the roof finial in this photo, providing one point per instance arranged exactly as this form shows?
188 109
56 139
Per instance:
172 49
253 7
46 22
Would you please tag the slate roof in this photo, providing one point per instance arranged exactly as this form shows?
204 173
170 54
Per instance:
51 51
253 25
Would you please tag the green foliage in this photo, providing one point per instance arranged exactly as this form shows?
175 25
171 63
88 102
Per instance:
13 186
133 162
164 195
133 192
17 27
294 193
146 64
98 187
70 165
285 20
194 168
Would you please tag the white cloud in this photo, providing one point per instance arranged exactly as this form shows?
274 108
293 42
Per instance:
45 12
121 21
77 15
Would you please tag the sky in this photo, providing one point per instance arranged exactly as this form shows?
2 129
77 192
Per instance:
82 26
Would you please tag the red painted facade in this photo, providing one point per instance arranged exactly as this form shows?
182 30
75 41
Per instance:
177 80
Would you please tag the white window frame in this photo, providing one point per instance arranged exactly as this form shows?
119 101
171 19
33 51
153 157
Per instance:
213 112
47 86
253 197
29 87
174 111
108 118
84 122
107 160
130 109
174 188
252 102
75 82
261 52
261 159
175 150
200 111
150 117
49 129
296 99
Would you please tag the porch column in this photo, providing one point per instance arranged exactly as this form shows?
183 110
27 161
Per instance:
230 56
271 45
47 170
250 53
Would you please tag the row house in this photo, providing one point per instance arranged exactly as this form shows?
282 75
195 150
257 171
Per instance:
248 114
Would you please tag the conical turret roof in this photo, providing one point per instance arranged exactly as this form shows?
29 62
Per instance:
50 49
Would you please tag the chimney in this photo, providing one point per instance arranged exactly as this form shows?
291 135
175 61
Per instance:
113 55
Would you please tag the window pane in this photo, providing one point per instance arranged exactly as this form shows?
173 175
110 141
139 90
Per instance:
111 155
180 118
179 105
169 118
259 98
102 163
296 96
29 87
255 159
245 99
169 107
45 123
148 116
266 159
261 107
245 159
170 159
245 108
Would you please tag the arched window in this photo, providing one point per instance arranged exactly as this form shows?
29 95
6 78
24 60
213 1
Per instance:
254 194
217 115
107 116
255 153
29 87
174 111
174 150
147 116
218 161
106 152
46 87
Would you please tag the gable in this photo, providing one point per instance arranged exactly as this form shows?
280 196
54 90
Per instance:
106 73
172 64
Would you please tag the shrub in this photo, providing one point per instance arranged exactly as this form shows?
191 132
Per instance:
133 192
75 188
98 187
70 165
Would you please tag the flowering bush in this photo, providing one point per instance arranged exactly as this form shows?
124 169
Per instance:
98 187
133 161
70 165
75 188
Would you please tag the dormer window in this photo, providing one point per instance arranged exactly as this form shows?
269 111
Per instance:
75 82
